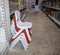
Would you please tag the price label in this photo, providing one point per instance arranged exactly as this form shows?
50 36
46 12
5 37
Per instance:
2 15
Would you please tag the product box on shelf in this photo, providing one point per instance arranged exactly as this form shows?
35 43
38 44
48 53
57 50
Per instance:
52 14
57 15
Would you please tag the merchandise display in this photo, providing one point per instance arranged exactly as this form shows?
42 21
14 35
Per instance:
16 5
13 6
57 16
21 31
33 5
24 28
52 14
52 9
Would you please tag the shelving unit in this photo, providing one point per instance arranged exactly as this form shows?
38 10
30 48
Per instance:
17 5
52 9
56 21
5 33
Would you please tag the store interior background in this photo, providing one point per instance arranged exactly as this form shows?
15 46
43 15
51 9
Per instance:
45 26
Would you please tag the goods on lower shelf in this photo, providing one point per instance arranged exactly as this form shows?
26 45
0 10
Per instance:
57 16
48 11
52 14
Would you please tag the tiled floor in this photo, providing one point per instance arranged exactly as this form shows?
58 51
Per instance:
45 38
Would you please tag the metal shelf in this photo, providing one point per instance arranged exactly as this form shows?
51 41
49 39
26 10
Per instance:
5 33
55 8
13 11
56 21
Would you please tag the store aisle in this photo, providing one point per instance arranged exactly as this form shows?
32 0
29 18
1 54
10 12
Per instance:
45 39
